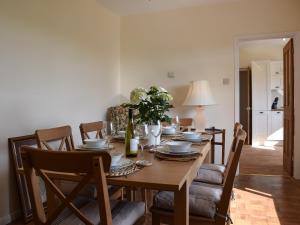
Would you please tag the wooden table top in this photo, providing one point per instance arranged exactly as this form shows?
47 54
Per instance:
163 174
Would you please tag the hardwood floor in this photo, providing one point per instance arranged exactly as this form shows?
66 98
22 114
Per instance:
263 194
261 161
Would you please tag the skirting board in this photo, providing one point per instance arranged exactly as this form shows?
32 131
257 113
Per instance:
10 217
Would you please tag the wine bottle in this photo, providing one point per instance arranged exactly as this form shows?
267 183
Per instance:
129 136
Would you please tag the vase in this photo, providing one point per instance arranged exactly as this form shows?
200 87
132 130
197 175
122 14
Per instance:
151 138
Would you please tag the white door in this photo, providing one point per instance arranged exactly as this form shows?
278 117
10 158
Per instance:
260 84
259 127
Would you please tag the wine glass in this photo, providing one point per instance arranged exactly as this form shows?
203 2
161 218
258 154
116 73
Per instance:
142 132
156 132
177 124
108 131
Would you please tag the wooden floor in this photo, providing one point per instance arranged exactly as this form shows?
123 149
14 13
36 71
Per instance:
264 195
261 161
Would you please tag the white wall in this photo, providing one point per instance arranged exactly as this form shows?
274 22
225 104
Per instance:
198 43
59 64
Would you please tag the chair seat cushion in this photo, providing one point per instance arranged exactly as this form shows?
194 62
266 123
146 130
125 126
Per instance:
216 167
202 200
209 176
123 213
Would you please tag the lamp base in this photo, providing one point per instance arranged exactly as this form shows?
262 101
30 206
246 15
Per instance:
200 121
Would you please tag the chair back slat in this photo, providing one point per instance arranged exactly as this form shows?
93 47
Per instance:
90 165
62 162
62 134
229 174
86 128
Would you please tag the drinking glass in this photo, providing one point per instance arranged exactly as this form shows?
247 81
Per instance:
156 132
177 124
142 132
108 131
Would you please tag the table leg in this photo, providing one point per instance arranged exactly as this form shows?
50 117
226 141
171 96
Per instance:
181 205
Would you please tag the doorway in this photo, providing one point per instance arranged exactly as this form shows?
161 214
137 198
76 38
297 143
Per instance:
265 92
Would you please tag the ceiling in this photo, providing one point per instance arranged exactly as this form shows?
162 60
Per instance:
280 42
129 7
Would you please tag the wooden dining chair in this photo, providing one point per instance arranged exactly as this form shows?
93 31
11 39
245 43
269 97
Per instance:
87 128
92 167
208 204
214 173
115 192
63 135
61 139
185 123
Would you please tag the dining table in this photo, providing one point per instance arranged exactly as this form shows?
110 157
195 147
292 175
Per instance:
162 175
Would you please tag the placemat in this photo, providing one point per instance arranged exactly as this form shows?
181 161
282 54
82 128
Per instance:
123 171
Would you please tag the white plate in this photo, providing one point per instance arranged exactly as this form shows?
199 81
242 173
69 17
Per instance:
167 151
104 147
194 140
123 162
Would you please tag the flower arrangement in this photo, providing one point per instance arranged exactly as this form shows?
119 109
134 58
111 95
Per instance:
151 104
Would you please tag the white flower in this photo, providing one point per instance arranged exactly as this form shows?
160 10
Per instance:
137 95
166 96
161 89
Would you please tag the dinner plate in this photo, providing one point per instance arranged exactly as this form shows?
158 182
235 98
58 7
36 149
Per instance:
123 162
86 147
167 151
194 140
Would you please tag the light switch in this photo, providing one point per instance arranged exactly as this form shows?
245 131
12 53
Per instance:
226 81
171 75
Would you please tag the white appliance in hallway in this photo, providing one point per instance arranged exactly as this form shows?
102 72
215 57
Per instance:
267 85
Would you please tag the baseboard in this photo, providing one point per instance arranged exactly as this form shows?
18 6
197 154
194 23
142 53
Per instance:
10 217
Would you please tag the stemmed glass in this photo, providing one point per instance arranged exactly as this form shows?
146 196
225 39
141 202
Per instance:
142 132
108 131
177 124
156 132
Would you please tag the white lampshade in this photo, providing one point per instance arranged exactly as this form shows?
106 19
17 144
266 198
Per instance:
199 94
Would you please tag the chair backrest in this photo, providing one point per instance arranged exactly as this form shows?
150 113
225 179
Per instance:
60 134
90 166
119 117
86 128
237 127
186 122
229 174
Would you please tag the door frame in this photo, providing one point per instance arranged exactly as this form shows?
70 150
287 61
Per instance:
240 39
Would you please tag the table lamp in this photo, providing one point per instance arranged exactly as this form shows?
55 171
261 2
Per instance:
199 95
